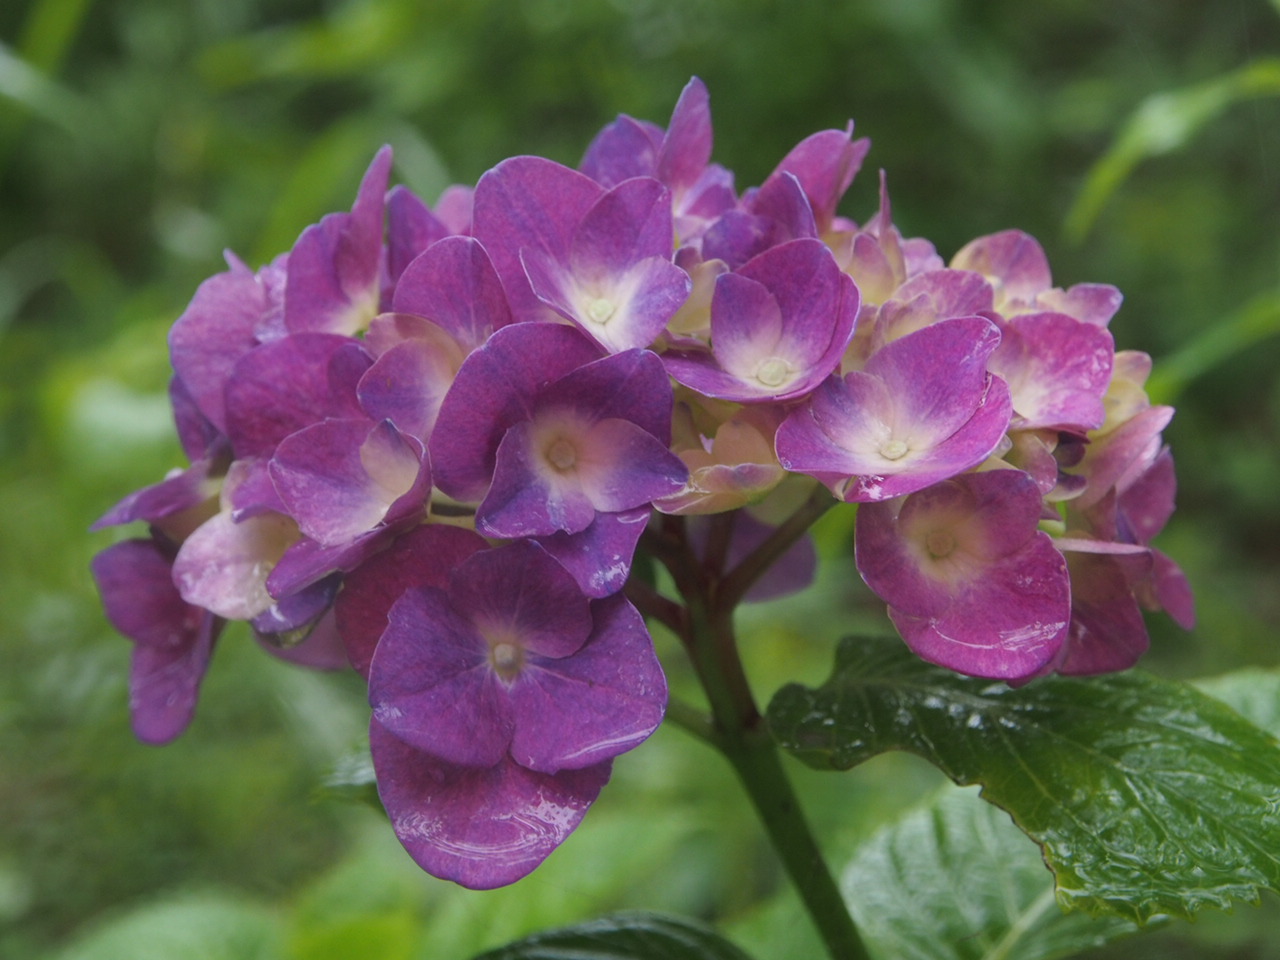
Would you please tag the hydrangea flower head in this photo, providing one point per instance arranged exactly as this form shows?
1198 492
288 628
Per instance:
426 443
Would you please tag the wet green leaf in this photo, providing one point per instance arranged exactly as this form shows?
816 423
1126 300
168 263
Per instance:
1146 795
623 936
956 880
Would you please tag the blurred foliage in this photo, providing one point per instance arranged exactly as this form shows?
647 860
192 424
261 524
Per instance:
138 138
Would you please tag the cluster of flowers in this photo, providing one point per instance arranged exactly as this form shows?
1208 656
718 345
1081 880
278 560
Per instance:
426 443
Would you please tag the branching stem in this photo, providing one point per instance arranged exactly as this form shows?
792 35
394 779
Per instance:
739 730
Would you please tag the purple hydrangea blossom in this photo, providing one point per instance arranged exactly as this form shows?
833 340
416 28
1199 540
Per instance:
971 582
924 409
426 442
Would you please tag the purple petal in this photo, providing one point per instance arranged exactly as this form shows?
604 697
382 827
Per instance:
1015 261
135 579
479 827
411 229
320 649
199 437
425 557
495 388
778 326
529 202
335 267
624 149
825 163
218 327
1057 368
181 491
519 590
172 639
529 495
280 387
454 285
686 149
631 222
599 557
604 700
407 384
632 385
430 683
923 410
296 612
164 684
619 311
223 565
340 478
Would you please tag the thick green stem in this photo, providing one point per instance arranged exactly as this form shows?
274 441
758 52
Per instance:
742 735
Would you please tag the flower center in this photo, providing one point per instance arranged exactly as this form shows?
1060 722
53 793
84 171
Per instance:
773 372
562 455
940 544
893 449
600 310
506 660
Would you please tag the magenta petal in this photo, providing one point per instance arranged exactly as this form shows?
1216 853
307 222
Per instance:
424 557
479 827
217 329
496 388
1057 368
223 565
519 590
825 163
528 496
280 387
599 557
338 479
431 685
1107 629
1014 259
971 583
1009 625
1094 303
686 149
335 267
624 149
529 202
172 639
411 229
454 285
606 699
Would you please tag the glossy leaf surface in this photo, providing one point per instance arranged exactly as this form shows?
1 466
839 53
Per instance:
1146 796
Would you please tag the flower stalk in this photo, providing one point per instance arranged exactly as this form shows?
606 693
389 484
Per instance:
741 732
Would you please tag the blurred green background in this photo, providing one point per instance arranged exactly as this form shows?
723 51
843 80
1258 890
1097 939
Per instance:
1139 141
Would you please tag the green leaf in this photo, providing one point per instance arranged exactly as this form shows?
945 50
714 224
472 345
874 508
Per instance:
623 936
1145 795
1162 123
956 880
